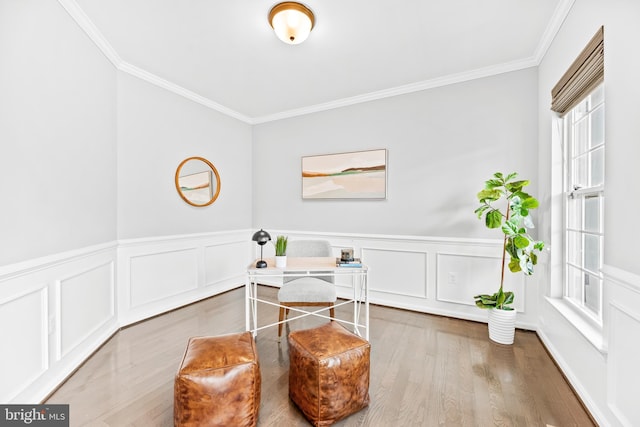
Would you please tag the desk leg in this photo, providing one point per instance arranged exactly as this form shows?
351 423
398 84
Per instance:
360 298
250 305
247 303
366 303
356 304
254 305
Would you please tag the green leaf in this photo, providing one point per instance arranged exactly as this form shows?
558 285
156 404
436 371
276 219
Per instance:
539 245
500 299
522 195
511 176
510 227
485 301
488 194
481 305
493 219
507 229
509 297
514 265
281 245
521 241
530 203
493 183
498 175
488 299
481 210
512 250
515 186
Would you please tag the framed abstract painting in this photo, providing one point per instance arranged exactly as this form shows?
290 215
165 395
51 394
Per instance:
354 175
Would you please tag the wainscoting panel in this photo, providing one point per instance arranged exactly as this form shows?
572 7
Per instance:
160 274
156 276
405 272
24 356
223 261
460 277
86 303
623 331
624 371
54 312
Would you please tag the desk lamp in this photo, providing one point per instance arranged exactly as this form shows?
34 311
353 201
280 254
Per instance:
261 237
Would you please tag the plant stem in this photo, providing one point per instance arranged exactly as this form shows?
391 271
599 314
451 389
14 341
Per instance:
504 248
504 256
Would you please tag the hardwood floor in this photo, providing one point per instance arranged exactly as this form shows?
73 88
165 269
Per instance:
425 371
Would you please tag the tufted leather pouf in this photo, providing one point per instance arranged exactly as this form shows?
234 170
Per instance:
328 373
218 383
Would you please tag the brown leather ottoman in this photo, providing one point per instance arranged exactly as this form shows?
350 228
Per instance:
218 383
328 373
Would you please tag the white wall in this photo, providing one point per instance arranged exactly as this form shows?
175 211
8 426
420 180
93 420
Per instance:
442 144
593 361
157 129
57 133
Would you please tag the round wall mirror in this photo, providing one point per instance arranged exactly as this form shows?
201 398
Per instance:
197 181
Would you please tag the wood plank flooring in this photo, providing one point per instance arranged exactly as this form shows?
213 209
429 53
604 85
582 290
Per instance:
425 371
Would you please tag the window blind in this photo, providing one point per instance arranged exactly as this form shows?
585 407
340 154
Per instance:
586 72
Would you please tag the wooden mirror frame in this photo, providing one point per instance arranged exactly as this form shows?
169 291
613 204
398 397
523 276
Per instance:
213 169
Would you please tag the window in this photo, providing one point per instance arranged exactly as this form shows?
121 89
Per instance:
578 98
584 203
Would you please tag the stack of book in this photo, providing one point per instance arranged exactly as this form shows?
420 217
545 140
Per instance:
353 263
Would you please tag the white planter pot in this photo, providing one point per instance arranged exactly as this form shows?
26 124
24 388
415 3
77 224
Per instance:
502 325
281 261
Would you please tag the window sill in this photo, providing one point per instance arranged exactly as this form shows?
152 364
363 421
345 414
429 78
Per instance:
592 333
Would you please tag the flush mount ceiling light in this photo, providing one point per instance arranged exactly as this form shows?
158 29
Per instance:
291 21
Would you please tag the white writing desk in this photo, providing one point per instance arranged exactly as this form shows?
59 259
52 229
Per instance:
309 266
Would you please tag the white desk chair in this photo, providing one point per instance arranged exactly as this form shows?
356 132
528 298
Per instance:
307 291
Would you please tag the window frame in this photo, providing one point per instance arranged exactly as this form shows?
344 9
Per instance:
569 124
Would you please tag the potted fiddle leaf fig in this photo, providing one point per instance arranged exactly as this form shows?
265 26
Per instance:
281 251
514 221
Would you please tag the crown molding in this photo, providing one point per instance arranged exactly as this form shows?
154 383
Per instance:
402 90
558 18
554 25
179 90
83 21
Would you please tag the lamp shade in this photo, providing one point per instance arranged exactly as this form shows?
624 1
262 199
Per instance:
261 237
291 21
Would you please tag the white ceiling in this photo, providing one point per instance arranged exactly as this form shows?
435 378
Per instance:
225 54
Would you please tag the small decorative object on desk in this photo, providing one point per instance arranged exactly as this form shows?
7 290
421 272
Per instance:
346 254
355 262
281 251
